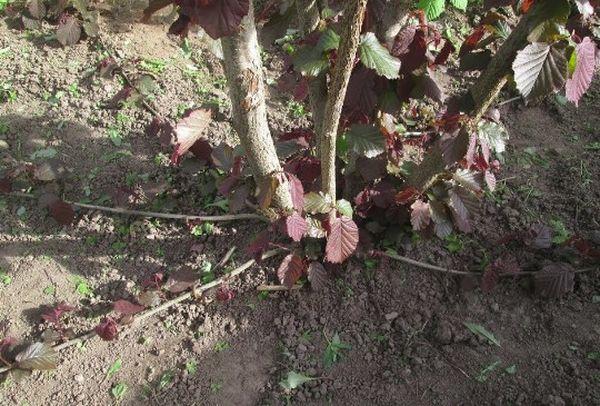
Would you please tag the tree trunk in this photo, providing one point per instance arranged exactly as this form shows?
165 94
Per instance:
243 69
309 15
395 17
353 15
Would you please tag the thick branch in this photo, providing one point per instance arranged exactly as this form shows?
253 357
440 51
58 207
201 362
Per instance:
243 69
491 81
308 13
354 15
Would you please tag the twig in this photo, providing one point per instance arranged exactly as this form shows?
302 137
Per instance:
468 273
508 101
276 288
425 265
193 292
118 210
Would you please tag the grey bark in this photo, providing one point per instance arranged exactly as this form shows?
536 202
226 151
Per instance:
395 17
488 85
243 69
350 38
309 15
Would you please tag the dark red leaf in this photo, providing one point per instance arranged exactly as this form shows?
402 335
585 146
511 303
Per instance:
125 307
301 89
406 195
291 269
224 294
259 245
342 239
5 185
107 329
307 169
472 40
188 132
54 314
361 96
218 18
181 26
62 212
122 95
317 276
153 282
555 280
444 54
295 226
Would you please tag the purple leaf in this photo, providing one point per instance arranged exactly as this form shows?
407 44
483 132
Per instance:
62 212
419 216
555 280
290 270
125 307
317 276
295 226
219 18
108 329
188 131
296 190
342 239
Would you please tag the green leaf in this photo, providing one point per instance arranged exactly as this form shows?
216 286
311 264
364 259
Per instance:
479 330
191 367
118 391
460 4
483 375
494 134
310 61
329 40
344 208
540 69
365 140
114 368
377 57
432 8
333 351
317 203
511 370
294 379
166 379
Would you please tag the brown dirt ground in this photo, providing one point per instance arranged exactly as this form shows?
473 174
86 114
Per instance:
404 325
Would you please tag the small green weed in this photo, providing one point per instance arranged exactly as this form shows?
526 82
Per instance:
333 351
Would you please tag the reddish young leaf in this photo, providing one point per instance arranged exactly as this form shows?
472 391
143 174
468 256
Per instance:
125 307
472 40
219 18
342 239
291 269
188 132
54 314
296 190
420 215
224 294
108 329
584 70
444 54
62 212
153 282
526 5
406 195
295 226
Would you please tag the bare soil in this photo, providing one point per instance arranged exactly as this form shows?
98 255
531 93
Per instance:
404 325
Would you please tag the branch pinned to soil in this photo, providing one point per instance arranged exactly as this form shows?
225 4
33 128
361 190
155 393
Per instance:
152 214
196 291
436 268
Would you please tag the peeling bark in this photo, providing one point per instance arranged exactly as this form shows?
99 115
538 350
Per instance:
350 38
243 69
